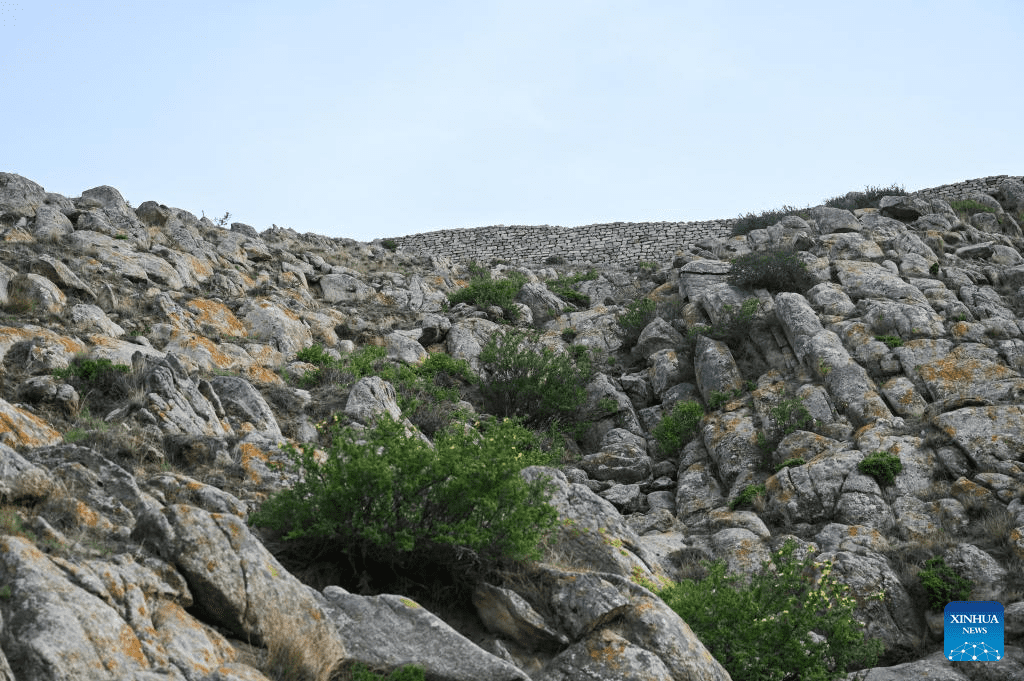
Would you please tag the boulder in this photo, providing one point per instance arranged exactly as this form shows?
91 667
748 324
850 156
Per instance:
830 220
658 335
715 368
620 630
19 197
544 305
371 397
243 404
33 292
239 585
281 328
388 631
18 428
591 532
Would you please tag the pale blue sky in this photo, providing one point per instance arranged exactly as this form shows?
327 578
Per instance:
373 119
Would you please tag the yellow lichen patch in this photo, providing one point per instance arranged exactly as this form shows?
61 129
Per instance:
959 370
606 650
20 428
217 316
262 375
409 603
248 453
131 646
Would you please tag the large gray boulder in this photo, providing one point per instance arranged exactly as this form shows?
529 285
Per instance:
243 405
715 368
658 335
239 585
544 305
592 534
175 402
19 197
388 631
620 630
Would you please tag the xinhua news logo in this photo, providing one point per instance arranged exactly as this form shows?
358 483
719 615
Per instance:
973 631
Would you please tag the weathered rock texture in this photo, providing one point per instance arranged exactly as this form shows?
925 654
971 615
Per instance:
125 551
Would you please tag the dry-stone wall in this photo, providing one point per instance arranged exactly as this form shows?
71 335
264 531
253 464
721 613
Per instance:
615 243
961 190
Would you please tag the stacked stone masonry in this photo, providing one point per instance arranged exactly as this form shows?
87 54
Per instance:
618 243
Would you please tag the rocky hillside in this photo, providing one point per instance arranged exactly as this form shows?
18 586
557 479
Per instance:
156 366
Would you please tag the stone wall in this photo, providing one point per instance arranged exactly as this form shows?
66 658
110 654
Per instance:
619 243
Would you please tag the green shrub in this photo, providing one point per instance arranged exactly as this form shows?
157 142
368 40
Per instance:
764 219
483 291
942 584
389 244
314 354
763 630
776 270
736 324
678 427
969 207
529 379
565 288
569 335
934 269
392 496
747 497
882 466
790 463
91 370
637 316
891 341
554 260
426 393
869 198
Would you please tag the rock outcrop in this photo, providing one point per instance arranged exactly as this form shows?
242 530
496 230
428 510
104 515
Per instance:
157 371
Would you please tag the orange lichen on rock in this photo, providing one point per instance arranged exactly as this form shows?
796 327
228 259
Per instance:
218 316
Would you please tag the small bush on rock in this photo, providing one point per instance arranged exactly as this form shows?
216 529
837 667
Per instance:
529 379
942 584
748 497
637 316
736 324
678 427
794 620
776 270
751 221
565 288
483 291
388 495
869 198
882 466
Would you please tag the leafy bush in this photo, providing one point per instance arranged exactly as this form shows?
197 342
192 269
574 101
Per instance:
404 673
678 427
554 260
389 244
763 630
529 379
882 466
791 463
891 341
483 291
869 198
942 584
747 497
751 221
736 324
969 207
776 270
426 393
391 496
637 316
91 370
565 288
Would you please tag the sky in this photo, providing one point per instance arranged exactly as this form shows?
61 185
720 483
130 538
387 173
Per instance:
384 118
